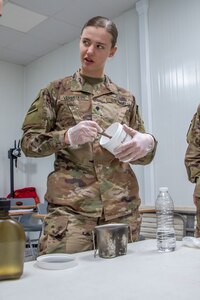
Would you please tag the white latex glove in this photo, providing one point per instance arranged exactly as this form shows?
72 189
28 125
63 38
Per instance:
83 132
137 147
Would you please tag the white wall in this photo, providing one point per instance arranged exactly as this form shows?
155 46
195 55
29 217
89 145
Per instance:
175 78
11 97
174 48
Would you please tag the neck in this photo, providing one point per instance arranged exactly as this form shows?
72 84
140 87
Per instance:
92 80
92 74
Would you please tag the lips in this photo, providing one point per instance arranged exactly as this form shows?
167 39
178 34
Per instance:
88 60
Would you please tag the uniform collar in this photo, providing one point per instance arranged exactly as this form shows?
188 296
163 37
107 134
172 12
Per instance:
79 84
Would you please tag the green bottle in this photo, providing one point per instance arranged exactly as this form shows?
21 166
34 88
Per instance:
12 244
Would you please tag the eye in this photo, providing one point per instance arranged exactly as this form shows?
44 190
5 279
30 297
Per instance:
99 46
86 42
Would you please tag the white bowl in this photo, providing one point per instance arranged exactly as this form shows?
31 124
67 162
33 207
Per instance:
56 261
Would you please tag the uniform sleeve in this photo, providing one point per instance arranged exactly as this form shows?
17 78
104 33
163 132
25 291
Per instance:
192 156
39 135
137 123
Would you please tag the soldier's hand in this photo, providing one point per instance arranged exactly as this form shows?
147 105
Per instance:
83 132
137 147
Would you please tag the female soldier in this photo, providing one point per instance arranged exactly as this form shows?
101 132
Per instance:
89 185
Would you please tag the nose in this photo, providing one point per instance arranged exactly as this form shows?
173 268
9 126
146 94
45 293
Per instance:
90 49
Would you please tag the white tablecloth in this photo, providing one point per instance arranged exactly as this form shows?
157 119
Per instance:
141 274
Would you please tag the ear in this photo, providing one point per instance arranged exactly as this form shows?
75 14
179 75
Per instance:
112 51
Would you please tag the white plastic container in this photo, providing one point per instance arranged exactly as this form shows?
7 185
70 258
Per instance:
118 136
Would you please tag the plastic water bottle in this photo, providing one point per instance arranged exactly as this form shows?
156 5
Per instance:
166 238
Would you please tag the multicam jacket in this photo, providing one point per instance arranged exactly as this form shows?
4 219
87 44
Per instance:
87 179
192 156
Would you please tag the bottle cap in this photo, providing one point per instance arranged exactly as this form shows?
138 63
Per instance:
4 204
163 189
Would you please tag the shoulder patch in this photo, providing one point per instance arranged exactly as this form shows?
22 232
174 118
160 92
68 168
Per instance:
32 109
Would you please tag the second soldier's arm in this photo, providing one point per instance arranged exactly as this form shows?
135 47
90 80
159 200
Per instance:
192 156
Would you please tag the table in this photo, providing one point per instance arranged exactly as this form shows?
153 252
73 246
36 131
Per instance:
19 208
39 216
188 212
22 206
20 212
143 273
179 209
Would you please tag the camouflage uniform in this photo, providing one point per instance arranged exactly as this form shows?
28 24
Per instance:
192 161
87 182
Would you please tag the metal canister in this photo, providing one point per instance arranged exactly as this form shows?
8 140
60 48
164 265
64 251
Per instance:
111 240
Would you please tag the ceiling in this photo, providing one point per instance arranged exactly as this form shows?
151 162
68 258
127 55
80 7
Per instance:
30 29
